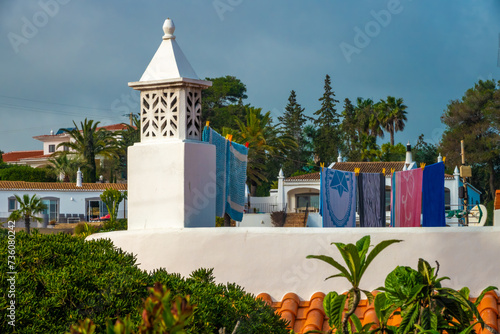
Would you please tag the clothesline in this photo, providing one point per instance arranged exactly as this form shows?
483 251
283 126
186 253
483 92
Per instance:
415 193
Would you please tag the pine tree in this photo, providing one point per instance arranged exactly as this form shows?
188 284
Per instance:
349 126
293 121
328 140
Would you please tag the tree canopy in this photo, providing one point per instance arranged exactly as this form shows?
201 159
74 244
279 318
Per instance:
475 118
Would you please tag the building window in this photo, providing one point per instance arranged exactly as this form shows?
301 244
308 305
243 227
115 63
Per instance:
52 148
95 208
12 204
65 148
52 210
307 201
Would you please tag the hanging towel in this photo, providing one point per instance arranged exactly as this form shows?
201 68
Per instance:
237 156
338 196
221 145
408 198
433 195
371 209
393 199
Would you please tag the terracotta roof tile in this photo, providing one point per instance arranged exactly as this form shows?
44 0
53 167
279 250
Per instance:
309 315
17 155
113 127
62 186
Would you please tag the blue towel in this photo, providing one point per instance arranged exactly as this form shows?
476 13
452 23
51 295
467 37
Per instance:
433 213
371 199
338 196
237 156
221 145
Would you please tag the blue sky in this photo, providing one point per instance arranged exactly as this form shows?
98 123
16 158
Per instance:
79 57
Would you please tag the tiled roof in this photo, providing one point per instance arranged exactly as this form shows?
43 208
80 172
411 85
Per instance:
304 177
113 127
370 167
17 155
364 167
61 186
306 315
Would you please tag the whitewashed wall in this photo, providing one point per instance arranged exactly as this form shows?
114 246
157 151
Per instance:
273 260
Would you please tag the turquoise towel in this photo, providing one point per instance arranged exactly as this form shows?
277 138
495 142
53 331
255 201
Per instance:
237 156
221 145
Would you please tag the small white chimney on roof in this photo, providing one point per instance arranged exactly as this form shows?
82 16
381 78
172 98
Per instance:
51 132
409 157
79 178
339 158
440 158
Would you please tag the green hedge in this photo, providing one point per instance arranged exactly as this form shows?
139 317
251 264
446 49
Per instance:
26 173
62 279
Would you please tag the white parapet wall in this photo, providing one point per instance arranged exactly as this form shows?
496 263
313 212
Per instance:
273 260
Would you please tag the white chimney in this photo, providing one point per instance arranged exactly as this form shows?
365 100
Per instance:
51 132
440 158
339 158
170 169
79 178
409 157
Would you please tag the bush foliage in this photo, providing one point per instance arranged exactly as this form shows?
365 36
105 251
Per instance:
63 279
26 173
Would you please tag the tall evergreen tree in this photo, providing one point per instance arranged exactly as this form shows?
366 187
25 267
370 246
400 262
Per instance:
292 124
350 145
328 139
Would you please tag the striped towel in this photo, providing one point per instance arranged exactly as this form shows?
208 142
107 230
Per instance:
371 199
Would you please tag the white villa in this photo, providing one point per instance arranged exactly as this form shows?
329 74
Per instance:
39 158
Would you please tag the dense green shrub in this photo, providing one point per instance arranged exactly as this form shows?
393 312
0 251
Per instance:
63 279
26 173
117 225
84 229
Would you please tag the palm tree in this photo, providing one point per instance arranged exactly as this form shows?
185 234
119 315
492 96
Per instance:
264 140
392 115
90 142
28 208
64 166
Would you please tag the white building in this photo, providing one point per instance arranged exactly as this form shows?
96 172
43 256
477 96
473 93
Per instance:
39 158
66 202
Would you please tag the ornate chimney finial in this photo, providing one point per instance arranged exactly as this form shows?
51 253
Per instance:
168 29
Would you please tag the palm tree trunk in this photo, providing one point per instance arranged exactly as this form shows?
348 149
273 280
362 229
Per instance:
27 224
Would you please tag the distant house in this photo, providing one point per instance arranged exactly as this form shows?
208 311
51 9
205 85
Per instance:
66 202
39 158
